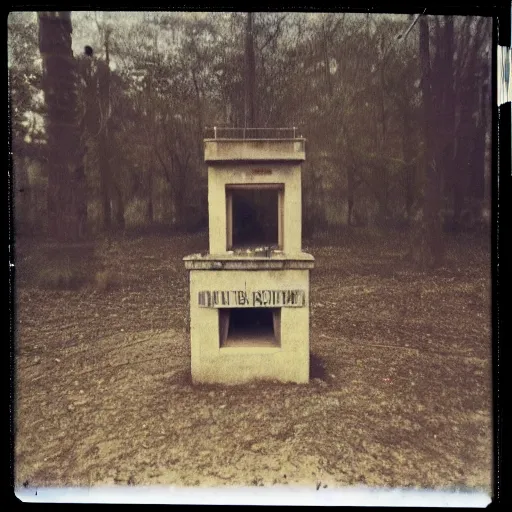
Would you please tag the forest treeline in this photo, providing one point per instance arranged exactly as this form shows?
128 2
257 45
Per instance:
395 110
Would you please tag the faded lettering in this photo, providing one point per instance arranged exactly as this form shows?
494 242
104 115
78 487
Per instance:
255 299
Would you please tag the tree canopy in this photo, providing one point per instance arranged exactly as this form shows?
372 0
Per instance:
352 83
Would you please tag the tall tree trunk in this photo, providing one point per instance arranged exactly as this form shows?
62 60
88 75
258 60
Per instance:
350 193
408 155
446 111
477 190
462 167
327 67
150 211
118 204
66 180
150 155
428 242
485 123
179 200
448 105
104 150
23 204
250 75
89 125
318 214
178 191
199 104
467 127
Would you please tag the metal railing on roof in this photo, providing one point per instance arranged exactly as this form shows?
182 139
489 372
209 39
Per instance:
218 132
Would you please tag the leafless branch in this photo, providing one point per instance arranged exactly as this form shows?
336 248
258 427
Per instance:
274 34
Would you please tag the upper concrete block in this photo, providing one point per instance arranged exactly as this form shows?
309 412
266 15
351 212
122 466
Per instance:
262 150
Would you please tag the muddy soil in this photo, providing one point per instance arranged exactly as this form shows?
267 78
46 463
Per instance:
400 394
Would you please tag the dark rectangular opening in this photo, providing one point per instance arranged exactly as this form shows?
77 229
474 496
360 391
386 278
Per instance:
254 216
250 327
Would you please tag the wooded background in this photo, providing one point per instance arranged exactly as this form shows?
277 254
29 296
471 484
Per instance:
395 110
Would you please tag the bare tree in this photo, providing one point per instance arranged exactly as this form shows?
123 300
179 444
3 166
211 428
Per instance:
428 247
104 146
66 188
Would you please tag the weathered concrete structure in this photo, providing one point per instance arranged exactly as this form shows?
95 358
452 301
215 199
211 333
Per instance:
249 295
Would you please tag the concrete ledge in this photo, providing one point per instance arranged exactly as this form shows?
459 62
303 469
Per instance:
225 150
275 261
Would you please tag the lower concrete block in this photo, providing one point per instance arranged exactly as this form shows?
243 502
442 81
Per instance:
249 325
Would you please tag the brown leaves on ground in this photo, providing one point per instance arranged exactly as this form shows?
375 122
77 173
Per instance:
400 392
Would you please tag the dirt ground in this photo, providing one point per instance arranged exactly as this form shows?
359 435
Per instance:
400 394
